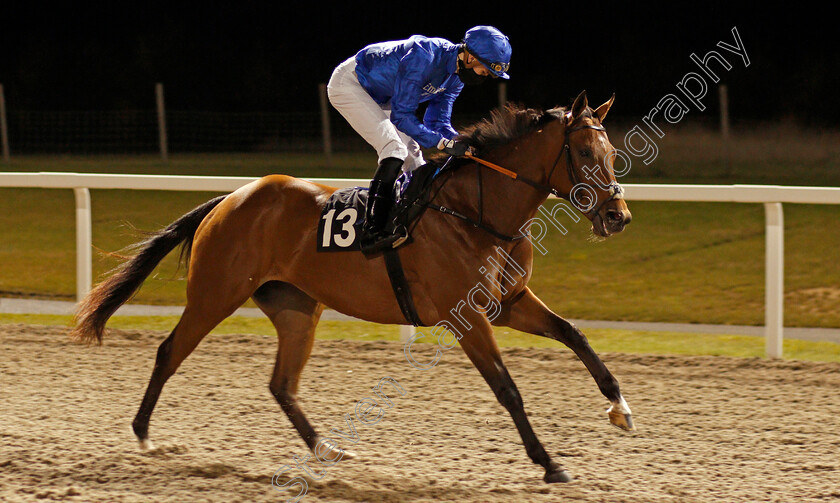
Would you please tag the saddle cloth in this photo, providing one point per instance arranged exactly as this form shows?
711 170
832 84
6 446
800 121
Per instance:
343 216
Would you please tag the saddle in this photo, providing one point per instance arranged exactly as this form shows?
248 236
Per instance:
342 218
340 226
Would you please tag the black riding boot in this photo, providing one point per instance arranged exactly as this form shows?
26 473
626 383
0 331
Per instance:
379 204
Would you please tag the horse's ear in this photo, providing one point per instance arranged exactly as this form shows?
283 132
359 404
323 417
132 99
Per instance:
579 105
602 110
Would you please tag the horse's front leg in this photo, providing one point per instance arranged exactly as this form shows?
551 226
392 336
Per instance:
481 348
527 313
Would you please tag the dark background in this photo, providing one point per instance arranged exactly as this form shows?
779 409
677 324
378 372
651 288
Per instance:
271 56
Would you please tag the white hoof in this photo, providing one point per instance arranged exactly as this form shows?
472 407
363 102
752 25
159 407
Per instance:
620 415
619 407
146 445
331 454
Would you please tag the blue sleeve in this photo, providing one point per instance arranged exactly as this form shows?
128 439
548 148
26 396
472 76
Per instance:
439 113
413 71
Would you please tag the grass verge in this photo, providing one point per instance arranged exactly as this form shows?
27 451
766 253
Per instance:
677 262
603 340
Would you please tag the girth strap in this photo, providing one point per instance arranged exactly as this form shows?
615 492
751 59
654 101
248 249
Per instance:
400 285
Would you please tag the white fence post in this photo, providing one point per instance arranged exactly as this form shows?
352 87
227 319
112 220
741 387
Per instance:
406 333
774 279
161 116
84 245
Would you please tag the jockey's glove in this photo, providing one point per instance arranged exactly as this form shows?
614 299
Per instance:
452 147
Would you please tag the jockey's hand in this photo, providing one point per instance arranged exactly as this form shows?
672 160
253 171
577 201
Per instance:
452 147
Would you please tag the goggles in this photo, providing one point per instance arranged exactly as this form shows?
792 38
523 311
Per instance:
494 67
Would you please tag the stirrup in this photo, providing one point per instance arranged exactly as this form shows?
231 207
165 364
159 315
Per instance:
401 233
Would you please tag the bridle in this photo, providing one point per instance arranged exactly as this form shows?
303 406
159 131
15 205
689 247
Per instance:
614 190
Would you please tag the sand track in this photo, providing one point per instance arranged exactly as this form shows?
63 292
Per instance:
710 428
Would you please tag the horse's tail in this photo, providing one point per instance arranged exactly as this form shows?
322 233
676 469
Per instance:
103 301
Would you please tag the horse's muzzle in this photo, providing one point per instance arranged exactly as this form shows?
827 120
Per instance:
616 219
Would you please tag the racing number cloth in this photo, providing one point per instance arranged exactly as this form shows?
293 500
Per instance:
341 220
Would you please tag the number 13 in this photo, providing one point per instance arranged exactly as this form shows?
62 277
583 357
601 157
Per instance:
347 233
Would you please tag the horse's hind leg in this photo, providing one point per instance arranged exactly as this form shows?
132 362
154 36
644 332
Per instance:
295 316
203 312
186 335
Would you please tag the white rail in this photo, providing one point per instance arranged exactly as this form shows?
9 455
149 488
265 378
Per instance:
772 196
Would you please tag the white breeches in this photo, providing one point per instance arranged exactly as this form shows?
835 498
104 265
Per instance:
371 120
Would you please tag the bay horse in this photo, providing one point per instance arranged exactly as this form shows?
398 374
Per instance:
259 242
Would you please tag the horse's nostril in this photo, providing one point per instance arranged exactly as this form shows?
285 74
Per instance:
615 216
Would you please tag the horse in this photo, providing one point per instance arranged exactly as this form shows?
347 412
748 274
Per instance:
259 242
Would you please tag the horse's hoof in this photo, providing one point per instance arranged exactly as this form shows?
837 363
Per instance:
333 455
146 445
623 421
619 414
557 476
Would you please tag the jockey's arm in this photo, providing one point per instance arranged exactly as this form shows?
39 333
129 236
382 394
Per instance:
438 115
413 72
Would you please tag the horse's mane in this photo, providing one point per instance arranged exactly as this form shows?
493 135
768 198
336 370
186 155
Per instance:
504 126
507 124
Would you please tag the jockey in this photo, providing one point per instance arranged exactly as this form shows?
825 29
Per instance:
380 89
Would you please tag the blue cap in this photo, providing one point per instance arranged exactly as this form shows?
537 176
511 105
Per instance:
491 47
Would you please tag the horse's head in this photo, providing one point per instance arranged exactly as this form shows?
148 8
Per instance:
589 177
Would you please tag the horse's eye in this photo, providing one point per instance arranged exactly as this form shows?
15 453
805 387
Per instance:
585 153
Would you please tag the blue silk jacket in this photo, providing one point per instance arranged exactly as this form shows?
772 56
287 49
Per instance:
410 72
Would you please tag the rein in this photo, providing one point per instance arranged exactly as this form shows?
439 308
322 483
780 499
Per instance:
614 189
515 176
